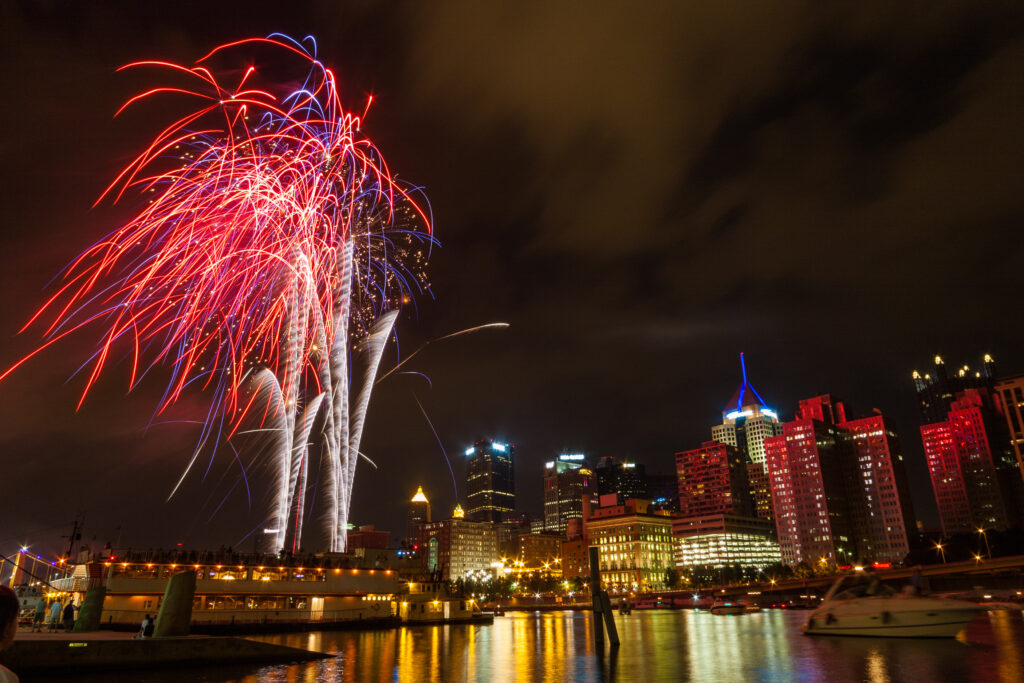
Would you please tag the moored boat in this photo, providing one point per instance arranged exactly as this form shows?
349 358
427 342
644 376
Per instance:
723 607
872 609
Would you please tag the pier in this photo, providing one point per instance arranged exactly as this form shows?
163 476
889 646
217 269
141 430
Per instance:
34 653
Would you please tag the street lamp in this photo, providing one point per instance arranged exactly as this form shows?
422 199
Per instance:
977 559
941 549
988 550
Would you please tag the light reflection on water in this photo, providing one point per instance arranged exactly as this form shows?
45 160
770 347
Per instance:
656 646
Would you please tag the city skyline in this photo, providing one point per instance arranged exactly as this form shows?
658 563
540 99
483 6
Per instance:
754 208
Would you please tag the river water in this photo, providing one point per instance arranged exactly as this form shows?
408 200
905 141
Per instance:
681 645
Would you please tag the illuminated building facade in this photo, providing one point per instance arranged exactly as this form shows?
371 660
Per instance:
725 541
882 513
1010 392
624 479
760 490
543 551
839 487
452 548
746 422
576 550
635 542
490 480
419 512
808 491
567 479
713 480
937 388
975 476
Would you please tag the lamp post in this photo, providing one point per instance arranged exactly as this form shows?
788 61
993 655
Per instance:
941 549
982 533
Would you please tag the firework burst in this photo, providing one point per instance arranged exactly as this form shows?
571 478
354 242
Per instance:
273 237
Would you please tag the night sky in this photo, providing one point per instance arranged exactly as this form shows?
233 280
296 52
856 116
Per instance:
642 190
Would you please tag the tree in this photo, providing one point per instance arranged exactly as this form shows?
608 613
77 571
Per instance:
671 578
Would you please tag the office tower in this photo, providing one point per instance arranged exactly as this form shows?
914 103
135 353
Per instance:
805 465
625 479
839 487
724 541
419 512
1010 393
490 480
883 517
567 479
747 421
937 388
975 475
634 542
712 481
453 548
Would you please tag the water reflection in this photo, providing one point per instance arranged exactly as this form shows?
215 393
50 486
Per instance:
656 646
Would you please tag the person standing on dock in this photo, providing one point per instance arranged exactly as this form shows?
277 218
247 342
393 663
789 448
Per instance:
69 616
40 616
146 629
9 608
55 615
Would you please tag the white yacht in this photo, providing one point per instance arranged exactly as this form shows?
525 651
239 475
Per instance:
868 608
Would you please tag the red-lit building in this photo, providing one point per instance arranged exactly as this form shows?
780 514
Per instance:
839 488
808 492
883 515
368 537
713 480
576 551
972 471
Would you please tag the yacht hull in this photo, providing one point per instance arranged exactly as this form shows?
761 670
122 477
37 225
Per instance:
882 618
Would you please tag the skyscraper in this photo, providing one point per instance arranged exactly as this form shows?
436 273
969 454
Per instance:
746 422
490 480
838 487
883 514
567 479
713 481
625 479
419 512
1010 391
975 477
808 492
937 389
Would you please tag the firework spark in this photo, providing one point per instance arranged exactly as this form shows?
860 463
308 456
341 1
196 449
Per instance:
273 237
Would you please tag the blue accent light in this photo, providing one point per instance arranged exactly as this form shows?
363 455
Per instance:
470 450
500 447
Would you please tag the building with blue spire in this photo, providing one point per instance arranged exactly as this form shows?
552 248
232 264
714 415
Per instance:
747 421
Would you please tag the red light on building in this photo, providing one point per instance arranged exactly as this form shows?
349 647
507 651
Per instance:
713 481
962 462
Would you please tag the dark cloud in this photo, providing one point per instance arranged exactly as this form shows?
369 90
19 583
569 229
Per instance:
641 190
